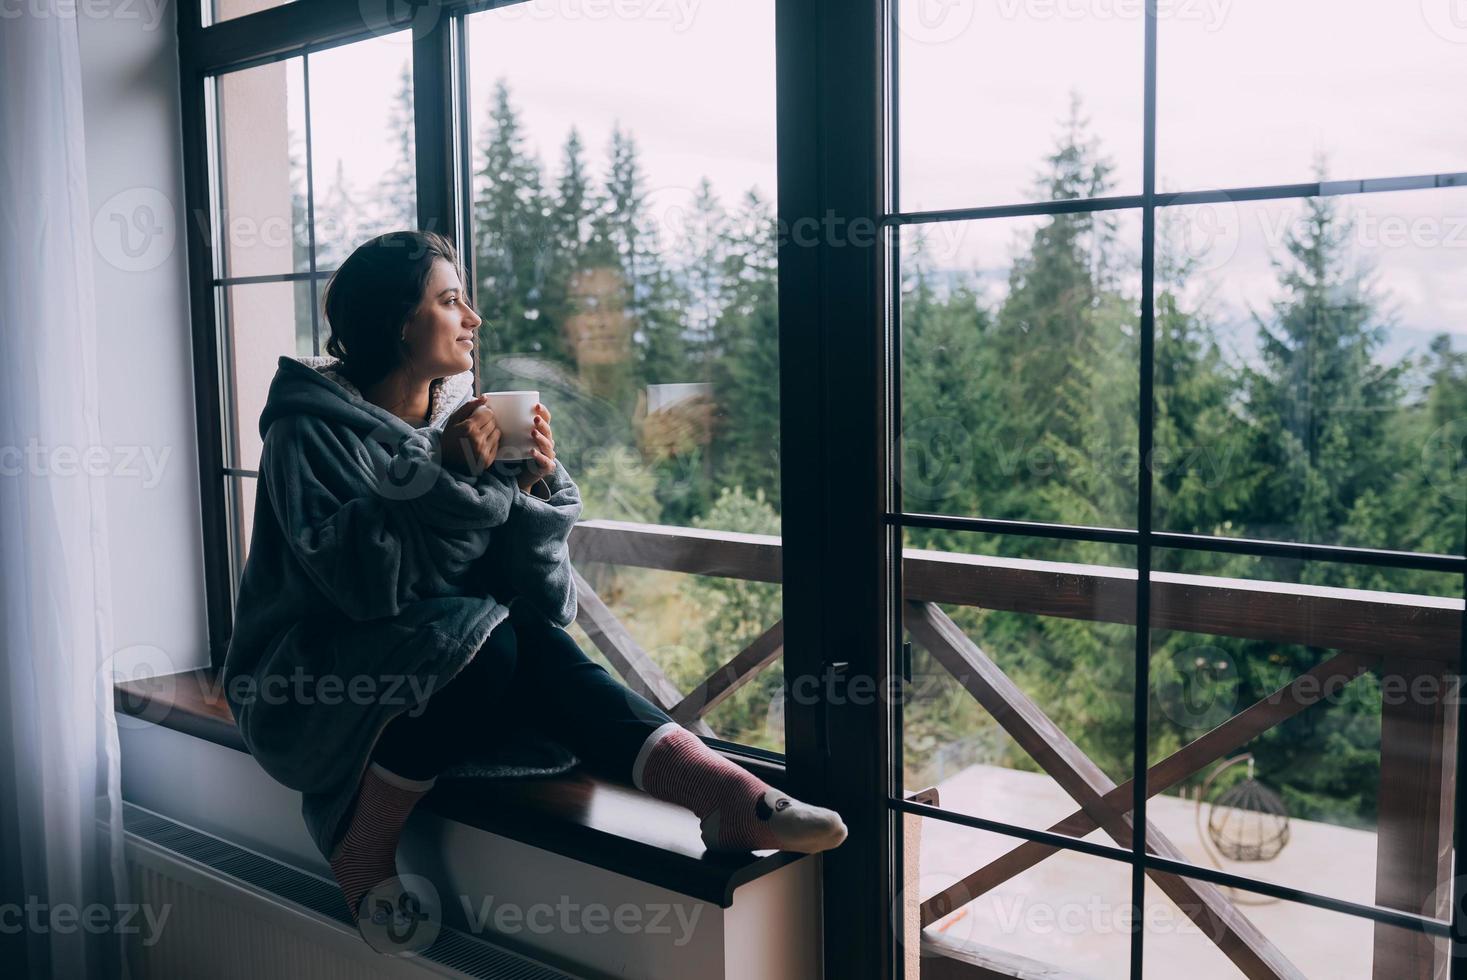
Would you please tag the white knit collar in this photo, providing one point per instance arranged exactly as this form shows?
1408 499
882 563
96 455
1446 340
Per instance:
444 395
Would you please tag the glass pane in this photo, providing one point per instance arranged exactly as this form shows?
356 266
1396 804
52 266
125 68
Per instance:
362 158
265 321
240 494
625 269
1331 715
1023 675
1311 370
1068 916
262 170
991 106
215 11
1317 942
1254 92
1019 379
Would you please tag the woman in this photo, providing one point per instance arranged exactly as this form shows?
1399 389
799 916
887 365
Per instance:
406 593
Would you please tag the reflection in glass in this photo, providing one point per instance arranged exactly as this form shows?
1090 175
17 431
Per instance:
625 268
215 11
362 156
261 224
265 321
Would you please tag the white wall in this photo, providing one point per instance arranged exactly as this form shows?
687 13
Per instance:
129 55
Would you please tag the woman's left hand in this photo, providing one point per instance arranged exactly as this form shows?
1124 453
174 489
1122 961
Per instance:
542 450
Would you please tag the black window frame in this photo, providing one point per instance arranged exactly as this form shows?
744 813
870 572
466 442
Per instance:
1144 538
442 148
840 319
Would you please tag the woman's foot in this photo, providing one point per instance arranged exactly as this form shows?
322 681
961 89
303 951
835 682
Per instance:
738 811
774 820
367 854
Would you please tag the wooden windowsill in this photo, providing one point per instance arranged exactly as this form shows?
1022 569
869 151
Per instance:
603 823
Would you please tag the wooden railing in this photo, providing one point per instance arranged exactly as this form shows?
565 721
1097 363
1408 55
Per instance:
1406 640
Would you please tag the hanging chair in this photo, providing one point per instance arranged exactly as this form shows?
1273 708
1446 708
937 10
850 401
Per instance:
1248 821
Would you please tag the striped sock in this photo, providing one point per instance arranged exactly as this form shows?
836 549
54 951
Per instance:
738 810
367 854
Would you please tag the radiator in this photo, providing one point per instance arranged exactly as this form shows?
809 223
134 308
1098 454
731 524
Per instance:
233 913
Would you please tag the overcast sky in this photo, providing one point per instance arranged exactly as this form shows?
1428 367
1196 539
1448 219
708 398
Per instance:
1249 91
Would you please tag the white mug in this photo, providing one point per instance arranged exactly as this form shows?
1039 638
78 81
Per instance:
515 413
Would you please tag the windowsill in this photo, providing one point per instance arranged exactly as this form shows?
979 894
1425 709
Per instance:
606 824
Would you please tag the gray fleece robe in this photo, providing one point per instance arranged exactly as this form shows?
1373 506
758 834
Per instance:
374 575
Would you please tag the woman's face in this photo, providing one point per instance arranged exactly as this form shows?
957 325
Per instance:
442 331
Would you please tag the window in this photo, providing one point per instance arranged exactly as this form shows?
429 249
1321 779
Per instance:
311 153
620 236
1205 381
1164 327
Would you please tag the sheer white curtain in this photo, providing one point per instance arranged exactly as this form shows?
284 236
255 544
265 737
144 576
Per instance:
60 801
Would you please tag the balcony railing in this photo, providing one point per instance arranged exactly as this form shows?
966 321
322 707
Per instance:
1409 638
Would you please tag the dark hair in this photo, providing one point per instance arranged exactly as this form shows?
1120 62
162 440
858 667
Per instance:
373 294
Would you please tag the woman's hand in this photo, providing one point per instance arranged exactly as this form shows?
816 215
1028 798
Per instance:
542 450
471 437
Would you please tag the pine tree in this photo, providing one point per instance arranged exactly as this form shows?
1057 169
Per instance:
397 191
745 362
339 222
1061 340
706 256
655 299
1319 400
513 251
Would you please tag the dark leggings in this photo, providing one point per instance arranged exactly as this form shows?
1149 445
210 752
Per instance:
527 673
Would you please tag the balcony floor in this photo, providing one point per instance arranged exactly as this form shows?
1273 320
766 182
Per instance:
1067 911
